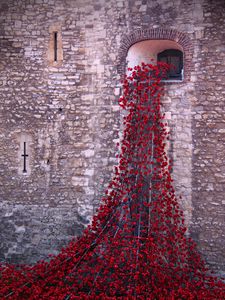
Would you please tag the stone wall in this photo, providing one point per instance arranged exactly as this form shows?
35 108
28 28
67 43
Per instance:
67 114
208 125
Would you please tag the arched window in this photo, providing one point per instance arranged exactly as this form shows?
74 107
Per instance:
151 51
173 57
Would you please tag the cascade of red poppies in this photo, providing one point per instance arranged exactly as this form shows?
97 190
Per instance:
136 246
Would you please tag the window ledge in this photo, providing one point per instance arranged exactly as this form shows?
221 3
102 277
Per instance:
172 81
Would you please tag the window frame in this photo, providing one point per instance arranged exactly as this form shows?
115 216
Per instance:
168 54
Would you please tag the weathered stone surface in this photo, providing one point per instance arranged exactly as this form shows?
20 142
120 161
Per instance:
67 113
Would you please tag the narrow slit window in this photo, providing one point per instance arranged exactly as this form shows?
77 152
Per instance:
24 153
55 45
25 156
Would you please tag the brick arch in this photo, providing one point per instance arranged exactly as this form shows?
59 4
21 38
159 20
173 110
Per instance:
157 34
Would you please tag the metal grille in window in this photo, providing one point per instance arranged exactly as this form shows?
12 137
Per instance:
175 59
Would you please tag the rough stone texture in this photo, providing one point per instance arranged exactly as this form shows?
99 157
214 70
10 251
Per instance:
208 124
67 113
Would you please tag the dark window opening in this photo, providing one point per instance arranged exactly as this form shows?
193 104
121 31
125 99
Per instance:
24 155
174 58
55 45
